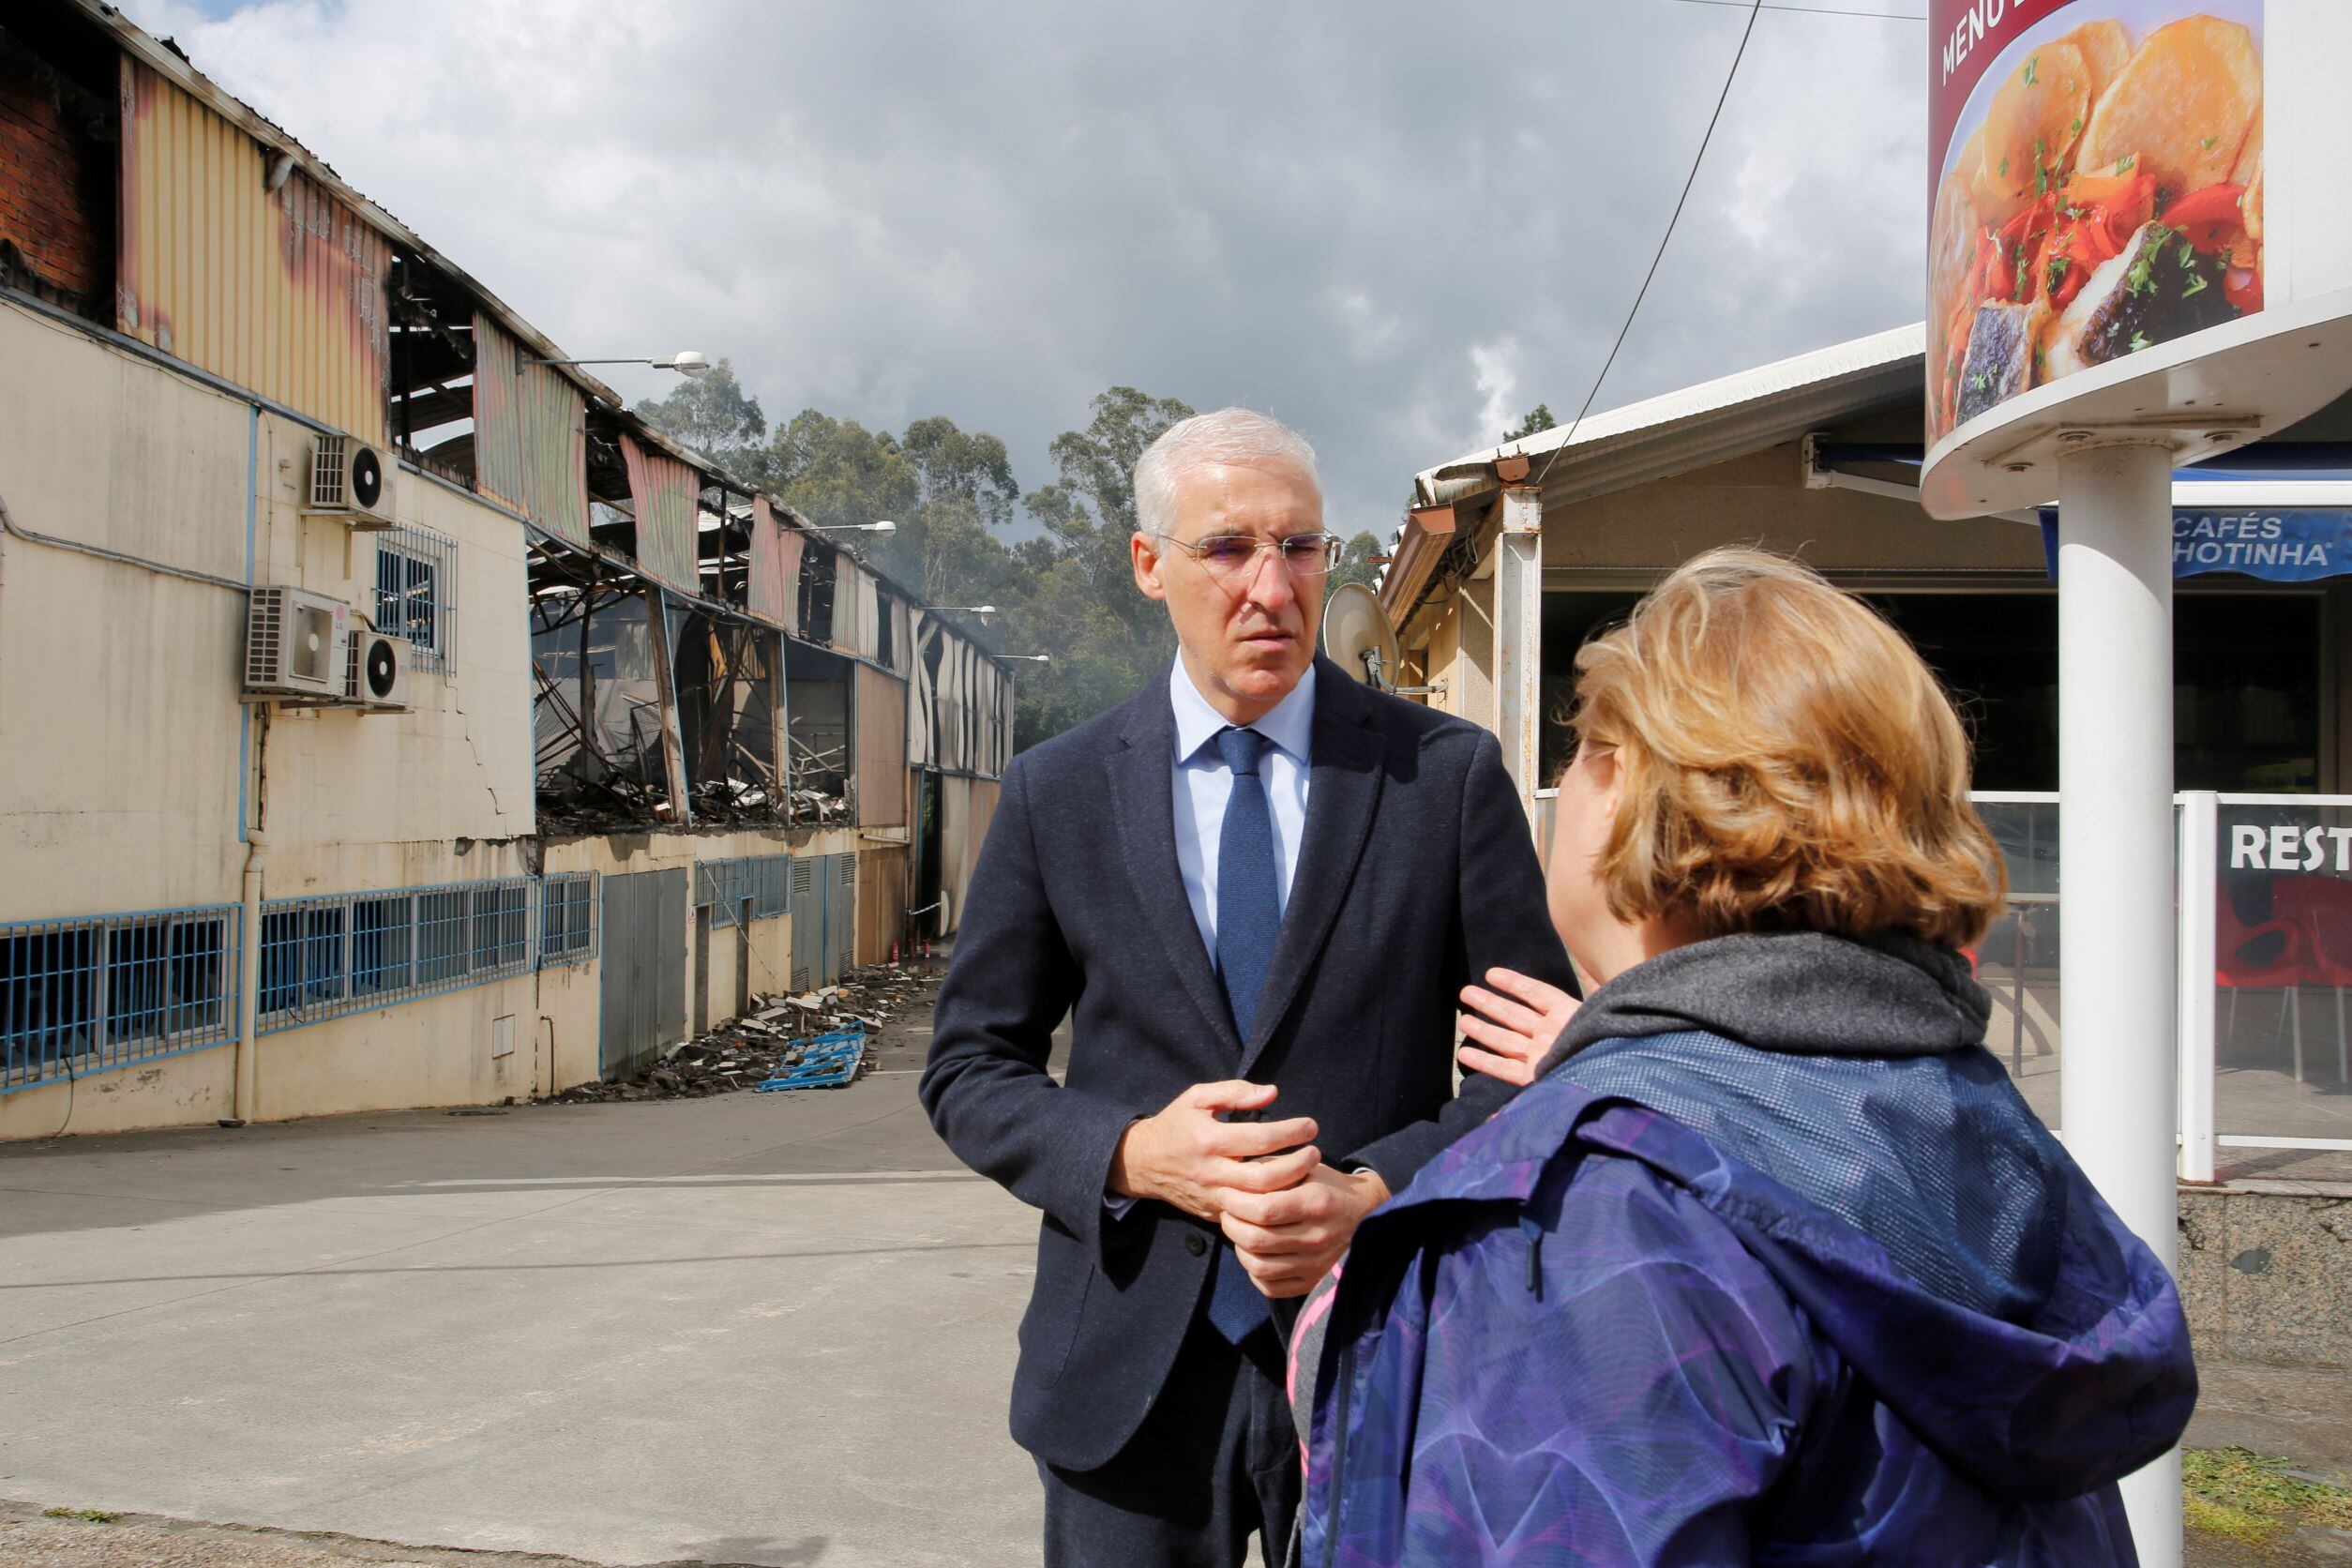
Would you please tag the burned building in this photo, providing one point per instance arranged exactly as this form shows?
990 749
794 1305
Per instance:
390 718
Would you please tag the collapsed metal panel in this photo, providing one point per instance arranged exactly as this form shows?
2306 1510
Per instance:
882 748
596 716
847 634
774 591
530 434
726 685
280 290
664 492
919 698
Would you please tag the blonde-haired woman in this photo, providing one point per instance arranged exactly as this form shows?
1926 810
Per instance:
1769 1262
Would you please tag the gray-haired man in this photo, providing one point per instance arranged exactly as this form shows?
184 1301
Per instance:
1257 887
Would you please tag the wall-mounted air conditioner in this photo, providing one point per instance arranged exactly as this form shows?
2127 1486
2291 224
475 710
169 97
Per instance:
379 673
296 644
351 481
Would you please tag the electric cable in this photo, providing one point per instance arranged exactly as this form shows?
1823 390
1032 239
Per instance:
1815 10
1755 9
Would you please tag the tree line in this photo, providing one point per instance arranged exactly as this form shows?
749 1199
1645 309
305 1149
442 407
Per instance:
1065 590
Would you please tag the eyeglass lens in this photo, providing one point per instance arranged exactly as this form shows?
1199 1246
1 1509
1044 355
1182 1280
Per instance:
1304 554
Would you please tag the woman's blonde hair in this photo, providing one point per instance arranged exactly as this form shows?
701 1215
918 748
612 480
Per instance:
1786 761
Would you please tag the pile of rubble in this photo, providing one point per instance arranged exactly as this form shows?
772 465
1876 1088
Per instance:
749 1051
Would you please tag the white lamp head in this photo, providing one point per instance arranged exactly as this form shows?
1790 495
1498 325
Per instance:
687 362
885 526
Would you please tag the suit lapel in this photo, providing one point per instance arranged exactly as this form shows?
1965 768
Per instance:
1143 790
1343 792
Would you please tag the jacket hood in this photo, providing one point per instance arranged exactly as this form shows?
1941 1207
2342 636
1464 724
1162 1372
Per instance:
1803 991
1906 1200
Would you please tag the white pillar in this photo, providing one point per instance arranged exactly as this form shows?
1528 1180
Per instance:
2117 1081
1519 639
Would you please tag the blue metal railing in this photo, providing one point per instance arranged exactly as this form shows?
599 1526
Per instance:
347 952
88 995
93 993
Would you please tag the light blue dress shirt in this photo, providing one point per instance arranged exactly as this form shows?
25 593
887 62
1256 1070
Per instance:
1203 784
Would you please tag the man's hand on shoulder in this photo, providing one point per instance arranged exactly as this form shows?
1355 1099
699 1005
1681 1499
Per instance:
1187 1157
1289 1240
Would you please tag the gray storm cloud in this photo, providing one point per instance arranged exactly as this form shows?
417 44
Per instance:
1391 224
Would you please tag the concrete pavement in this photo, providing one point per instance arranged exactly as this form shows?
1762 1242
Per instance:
755 1329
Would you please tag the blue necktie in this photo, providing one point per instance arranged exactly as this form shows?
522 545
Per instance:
1249 918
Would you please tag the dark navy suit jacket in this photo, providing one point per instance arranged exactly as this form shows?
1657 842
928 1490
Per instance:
1417 872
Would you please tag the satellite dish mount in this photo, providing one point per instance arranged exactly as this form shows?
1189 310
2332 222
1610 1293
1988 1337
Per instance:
1358 638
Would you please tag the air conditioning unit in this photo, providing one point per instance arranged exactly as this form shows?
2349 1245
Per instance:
296 644
379 673
351 481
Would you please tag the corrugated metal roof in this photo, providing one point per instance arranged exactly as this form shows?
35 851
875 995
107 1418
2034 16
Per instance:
1686 429
1868 366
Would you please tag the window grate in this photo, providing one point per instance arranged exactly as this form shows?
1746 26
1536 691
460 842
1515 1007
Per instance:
723 886
570 918
89 994
771 886
81 995
322 957
417 592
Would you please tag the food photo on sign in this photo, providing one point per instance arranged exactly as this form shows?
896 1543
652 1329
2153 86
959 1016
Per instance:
2100 188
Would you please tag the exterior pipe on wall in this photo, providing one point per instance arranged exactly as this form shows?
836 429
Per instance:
249 977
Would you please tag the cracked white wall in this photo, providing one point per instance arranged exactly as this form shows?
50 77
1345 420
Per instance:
128 766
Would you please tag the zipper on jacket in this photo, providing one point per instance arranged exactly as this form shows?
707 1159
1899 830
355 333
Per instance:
1533 1229
1340 1446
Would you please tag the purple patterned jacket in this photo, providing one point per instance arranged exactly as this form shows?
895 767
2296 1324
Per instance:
1593 1332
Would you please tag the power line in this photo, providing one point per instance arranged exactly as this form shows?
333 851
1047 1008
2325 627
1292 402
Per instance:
1812 10
1755 9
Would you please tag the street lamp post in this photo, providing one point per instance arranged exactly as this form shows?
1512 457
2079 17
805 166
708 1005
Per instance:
687 362
883 527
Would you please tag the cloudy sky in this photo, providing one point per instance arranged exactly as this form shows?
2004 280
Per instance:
1397 225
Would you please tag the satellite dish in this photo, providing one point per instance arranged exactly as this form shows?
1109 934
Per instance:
1358 638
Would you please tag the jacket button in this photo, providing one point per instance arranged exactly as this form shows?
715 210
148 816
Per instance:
1195 1243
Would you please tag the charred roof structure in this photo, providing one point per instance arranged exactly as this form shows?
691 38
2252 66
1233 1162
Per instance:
517 687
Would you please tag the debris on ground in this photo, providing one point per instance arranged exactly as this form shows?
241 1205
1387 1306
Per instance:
826 1062
777 1037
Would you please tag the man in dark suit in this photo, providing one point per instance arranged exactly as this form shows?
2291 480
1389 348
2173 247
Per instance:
1259 886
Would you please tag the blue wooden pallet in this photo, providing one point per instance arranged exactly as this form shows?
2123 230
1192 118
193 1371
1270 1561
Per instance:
826 1062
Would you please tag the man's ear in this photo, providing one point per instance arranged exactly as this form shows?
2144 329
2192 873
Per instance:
1147 565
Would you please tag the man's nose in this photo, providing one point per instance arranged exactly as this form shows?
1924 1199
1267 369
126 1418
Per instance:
1270 587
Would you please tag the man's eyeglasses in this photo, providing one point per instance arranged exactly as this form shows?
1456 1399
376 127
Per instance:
1234 557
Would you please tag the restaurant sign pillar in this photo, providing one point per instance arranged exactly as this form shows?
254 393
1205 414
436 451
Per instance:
1519 640
2118 1084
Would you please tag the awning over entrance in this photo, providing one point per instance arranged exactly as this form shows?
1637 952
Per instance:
2279 514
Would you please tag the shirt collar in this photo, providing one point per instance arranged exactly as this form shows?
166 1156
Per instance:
1291 726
